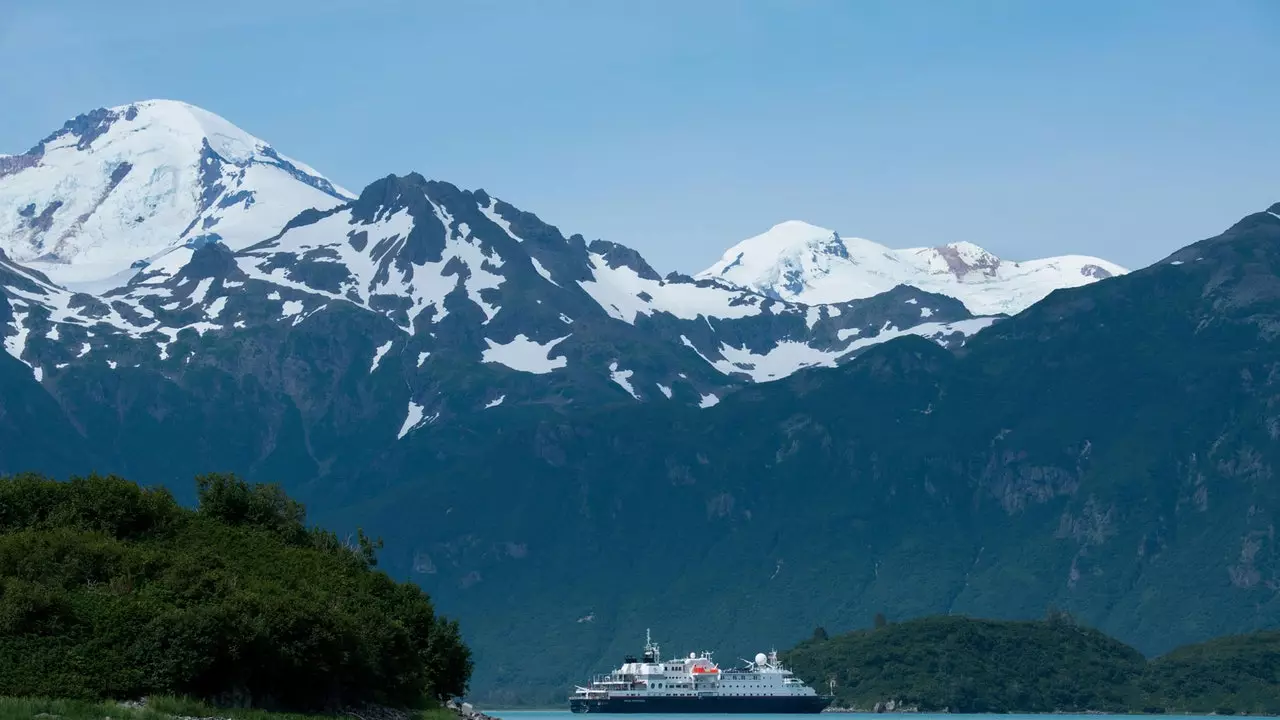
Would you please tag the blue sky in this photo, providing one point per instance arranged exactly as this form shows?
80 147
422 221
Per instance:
1123 128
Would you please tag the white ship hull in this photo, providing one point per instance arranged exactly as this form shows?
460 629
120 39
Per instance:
777 704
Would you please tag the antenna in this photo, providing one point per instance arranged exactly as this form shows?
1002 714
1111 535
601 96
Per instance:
651 652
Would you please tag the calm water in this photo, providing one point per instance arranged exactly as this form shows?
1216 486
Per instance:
567 715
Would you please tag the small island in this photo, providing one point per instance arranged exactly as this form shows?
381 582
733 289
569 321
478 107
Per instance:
967 665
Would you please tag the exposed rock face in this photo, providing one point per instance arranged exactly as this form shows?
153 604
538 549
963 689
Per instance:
965 260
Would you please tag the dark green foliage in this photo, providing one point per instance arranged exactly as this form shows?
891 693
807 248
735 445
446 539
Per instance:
1055 665
965 665
165 708
108 505
1239 673
449 662
232 501
111 591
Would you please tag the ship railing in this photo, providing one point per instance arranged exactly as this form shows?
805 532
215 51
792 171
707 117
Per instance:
587 691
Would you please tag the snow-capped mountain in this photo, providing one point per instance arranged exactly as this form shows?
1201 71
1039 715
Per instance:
157 238
452 302
804 263
118 188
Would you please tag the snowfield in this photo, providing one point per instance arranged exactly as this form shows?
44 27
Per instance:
808 264
124 186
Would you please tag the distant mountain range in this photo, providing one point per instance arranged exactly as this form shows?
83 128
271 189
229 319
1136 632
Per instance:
564 446
140 228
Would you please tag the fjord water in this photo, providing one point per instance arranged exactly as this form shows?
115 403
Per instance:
566 715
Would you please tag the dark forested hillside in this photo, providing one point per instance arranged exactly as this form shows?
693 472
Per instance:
961 664
974 666
1239 672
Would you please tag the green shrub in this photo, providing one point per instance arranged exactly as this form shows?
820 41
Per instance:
111 591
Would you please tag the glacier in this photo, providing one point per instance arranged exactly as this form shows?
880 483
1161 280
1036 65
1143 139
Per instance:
118 188
808 264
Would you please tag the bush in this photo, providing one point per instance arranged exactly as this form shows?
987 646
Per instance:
108 590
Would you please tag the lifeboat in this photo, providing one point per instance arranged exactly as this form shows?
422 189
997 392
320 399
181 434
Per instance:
705 670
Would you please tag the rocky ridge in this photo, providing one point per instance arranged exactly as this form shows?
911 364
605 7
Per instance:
151 235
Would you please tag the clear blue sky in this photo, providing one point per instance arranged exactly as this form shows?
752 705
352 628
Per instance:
1121 128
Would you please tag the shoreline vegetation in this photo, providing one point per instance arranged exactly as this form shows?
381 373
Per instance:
173 708
113 592
1054 666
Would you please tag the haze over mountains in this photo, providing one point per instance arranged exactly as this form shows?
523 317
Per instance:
560 443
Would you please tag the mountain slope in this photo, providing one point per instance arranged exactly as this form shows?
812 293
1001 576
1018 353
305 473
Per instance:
803 263
1110 451
118 187
34 432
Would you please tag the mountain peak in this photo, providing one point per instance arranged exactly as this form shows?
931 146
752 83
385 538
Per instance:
780 258
804 263
181 122
962 259
115 188
792 236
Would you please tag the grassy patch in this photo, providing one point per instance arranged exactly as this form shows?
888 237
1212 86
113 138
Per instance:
158 708
28 708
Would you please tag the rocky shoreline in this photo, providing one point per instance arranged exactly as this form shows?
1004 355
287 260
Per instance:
884 706
467 711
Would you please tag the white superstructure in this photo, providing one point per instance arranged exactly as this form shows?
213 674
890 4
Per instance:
697 675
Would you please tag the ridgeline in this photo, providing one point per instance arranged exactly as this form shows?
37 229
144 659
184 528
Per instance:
966 665
112 591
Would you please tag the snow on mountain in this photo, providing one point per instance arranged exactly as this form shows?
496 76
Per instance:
804 263
421 252
465 280
157 235
117 188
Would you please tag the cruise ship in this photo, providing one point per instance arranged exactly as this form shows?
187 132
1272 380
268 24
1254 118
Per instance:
695 684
